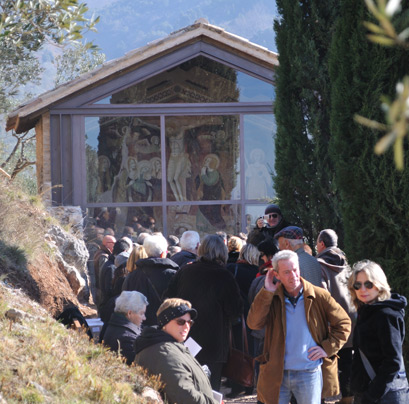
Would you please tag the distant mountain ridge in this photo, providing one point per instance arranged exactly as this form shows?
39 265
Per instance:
129 24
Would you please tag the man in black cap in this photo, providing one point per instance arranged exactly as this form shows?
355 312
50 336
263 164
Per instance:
268 225
335 274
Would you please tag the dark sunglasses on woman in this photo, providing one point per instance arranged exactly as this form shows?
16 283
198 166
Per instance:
181 321
367 284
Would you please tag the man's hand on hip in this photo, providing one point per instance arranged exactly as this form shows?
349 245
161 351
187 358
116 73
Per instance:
316 352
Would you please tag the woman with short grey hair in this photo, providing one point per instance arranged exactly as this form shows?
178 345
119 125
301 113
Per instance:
378 370
125 323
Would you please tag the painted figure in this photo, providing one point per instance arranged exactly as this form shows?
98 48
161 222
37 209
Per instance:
179 164
259 183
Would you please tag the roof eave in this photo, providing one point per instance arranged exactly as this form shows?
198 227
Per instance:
26 115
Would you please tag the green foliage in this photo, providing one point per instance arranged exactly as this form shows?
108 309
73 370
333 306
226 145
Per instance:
373 196
75 61
304 181
397 111
25 26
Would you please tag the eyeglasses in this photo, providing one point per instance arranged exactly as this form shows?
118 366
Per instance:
271 215
367 284
181 321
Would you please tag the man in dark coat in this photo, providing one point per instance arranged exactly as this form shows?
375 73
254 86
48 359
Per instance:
268 225
335 274
189 242
107 272
152 275
100 258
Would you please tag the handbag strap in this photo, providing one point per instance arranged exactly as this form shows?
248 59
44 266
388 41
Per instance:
368 367
245 344
153 286
244 335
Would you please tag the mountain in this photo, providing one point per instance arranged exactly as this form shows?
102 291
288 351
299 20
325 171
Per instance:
129 24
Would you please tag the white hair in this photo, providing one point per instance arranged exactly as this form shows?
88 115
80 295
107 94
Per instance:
295 243
283 256
189 240
130 301
155 245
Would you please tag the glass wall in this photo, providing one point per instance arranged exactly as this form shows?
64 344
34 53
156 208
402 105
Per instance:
202 158
123 157
199 80
169 171
195 180
259 151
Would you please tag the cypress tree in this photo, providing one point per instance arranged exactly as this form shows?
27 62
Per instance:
374 195
304 171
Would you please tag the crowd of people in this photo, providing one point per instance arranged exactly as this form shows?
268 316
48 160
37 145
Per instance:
317 327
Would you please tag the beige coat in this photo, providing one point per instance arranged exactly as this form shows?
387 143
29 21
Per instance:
329 326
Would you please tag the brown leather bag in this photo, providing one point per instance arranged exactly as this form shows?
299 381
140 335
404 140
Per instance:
240 365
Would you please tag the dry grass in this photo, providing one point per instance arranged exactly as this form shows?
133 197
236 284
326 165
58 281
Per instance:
40 360
43 362
23 223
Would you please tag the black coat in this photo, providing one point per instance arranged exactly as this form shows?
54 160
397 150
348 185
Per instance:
106 275
215 295
244 273
183 257
122 330
379 333
151 278
257 235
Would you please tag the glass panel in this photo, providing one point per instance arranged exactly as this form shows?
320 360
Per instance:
202 158
259 132
253 212
205 219
123 157
200 80
123 221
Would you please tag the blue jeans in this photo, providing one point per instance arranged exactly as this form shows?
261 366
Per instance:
305 385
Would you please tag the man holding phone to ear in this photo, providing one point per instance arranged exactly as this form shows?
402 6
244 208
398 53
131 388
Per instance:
305 328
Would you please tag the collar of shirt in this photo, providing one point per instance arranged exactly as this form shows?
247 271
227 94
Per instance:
293 299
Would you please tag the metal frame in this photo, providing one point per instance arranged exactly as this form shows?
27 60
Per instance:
78 107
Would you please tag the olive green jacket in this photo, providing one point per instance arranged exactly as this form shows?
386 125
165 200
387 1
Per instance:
184 379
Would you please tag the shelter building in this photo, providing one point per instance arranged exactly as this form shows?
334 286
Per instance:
176 135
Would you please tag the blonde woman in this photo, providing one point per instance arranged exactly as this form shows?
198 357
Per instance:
378 372
137 253
234 245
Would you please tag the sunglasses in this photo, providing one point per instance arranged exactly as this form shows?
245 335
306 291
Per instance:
271 215
181 321
367 284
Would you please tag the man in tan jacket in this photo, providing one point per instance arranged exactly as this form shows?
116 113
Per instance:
305 328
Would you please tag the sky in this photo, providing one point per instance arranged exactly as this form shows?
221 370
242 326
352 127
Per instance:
126 25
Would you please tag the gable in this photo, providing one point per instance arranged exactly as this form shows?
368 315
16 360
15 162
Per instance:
198 39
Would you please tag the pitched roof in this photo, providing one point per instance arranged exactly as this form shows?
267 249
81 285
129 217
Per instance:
26 115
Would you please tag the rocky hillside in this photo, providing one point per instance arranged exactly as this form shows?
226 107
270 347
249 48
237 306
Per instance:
40 273
31 252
